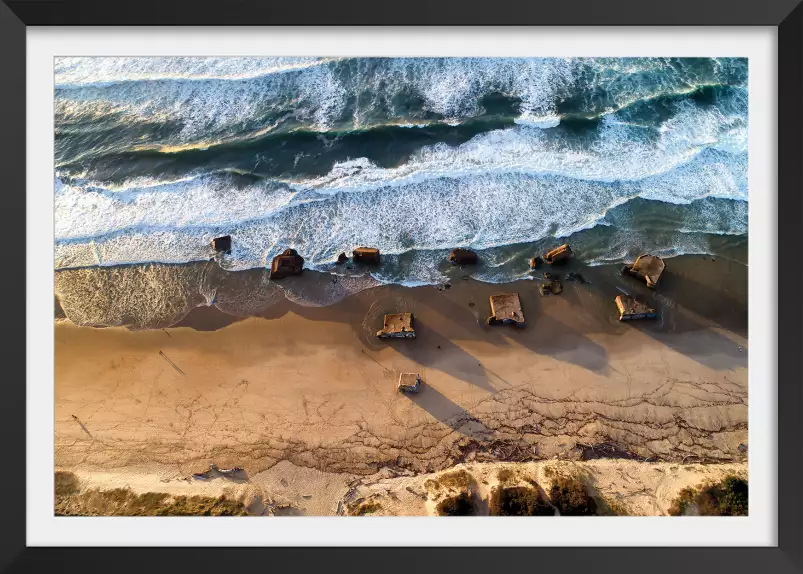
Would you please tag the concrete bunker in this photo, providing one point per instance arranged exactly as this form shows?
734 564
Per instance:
397 326
630 309
559 254
506 310
648 268
367 255
286 264
463 257
409 382
222 244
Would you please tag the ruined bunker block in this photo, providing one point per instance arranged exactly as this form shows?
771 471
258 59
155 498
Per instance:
286 264
222 244
367 255
559 254
535 262
397 326
506 310
647 268
630 309
553 287
463 257
409 383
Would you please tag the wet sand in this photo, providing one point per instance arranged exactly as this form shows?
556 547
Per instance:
314 387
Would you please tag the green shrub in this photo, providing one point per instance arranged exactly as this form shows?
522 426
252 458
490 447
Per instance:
734 502
66 483
570 497
124 502
725 498
683 502
458 479
614 508
459 505
200 506
519 501
504 474
367 508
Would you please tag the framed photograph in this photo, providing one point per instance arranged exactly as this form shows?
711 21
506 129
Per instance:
399 287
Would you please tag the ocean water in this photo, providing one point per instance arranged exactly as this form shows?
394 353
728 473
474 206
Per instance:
156 156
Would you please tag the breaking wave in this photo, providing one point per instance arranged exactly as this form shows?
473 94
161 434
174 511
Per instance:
158 155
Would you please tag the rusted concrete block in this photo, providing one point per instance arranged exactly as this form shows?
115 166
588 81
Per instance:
647 268
409 382
397 326
506 310
630 308
463 257
222 243
558 254
369 255
286 264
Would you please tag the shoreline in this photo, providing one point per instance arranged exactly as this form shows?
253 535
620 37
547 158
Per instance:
313 386
156 296
735 255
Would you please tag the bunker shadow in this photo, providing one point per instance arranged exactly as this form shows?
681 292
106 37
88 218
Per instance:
434 351
450 413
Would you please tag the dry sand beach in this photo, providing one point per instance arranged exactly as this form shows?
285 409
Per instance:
311 390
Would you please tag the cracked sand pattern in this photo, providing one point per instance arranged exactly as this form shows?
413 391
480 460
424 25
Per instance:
323 396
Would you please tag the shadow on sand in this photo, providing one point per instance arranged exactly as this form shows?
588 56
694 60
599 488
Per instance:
432 350
706 347
695 294
565 344
688 312
450 413
543 334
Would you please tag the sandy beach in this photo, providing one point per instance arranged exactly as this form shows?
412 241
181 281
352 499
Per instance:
231 233
313 386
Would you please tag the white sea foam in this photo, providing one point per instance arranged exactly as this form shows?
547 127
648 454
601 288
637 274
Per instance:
230 93
621 152
500 188
211 106
480 211
533 181
207 201
453 87
543 122
83 71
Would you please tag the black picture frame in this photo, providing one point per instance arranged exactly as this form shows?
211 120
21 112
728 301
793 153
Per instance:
786 15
